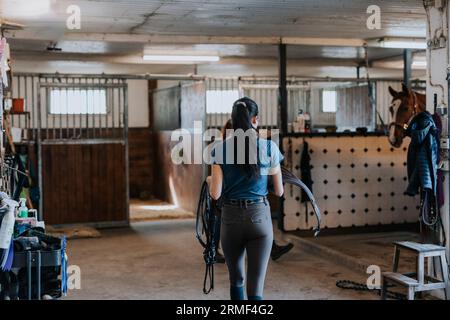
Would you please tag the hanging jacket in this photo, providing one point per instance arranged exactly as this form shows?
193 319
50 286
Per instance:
440 174
422 154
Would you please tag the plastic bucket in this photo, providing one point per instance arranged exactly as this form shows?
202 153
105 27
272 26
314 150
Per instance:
18 105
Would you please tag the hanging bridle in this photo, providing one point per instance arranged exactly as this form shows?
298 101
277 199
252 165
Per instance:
405 126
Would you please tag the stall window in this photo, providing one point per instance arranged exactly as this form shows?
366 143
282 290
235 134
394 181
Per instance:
78 101
329 101
220 101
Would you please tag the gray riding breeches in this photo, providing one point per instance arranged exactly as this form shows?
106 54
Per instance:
247 230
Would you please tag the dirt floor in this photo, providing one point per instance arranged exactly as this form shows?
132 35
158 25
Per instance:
156 210
162 260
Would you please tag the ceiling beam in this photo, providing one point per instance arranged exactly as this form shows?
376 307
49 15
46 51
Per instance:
176 39
137 59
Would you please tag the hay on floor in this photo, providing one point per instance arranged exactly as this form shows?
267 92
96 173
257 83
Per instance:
74 232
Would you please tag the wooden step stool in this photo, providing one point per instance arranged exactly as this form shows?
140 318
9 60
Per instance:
422 282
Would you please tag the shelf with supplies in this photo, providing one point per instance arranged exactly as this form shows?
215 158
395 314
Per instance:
18 135
24 113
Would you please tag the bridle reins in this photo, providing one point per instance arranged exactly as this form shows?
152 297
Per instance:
405 126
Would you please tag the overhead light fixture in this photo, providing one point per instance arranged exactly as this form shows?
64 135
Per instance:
419 64
398 43
180 58
178 55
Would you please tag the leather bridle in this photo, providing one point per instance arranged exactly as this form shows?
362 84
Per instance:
405 126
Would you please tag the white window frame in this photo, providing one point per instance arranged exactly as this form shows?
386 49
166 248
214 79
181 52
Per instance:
68 97
323 107
220 101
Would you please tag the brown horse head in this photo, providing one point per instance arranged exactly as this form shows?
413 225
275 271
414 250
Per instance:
405 105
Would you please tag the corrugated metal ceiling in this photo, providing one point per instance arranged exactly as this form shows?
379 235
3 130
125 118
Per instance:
311 18
249 18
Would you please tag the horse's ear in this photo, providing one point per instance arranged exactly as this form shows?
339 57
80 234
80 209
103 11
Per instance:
393 92
405 88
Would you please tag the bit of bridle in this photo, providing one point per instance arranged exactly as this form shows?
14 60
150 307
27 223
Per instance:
405 126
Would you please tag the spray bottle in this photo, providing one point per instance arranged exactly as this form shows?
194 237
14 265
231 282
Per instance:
23 210
6 232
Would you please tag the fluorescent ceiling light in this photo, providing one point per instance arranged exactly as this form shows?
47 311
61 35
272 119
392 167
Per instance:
419 64
398 43
180 58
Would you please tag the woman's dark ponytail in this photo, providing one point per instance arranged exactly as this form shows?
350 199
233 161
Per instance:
243 112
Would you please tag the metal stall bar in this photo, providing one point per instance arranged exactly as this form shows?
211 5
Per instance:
180 77
49 111
220 85
19 95
113 90
266 96
60 118
39 151
220 115
113 107
100 117
87 110
33 108
148 76
125 138
67 112
46 111
91 102
81 111
26 100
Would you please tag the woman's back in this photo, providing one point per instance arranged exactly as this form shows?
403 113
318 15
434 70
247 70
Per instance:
241 165
238 184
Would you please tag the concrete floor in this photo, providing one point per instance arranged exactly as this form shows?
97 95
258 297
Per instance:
362 250
162 260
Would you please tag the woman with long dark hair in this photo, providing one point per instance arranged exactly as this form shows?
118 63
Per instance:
242 166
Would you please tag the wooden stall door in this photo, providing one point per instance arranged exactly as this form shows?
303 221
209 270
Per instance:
84 183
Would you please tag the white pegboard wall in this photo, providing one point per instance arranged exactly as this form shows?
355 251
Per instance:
357 181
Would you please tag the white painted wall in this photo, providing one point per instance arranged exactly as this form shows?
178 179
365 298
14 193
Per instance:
138 112
438 61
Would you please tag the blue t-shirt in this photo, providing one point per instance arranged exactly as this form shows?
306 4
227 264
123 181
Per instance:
236 184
